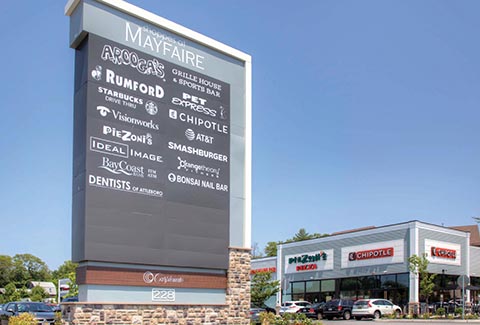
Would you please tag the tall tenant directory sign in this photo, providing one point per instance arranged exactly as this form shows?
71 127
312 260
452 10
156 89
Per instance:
161 166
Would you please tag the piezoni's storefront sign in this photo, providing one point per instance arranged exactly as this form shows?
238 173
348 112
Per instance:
387 252
442 252
309 261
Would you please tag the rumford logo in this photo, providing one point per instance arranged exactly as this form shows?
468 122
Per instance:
306 258
129 58
370 254
444 253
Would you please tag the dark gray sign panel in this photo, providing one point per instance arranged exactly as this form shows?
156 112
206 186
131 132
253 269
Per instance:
152 147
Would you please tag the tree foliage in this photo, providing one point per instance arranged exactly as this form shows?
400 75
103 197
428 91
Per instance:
301 235
64 270
33 267
73 285
38 294
263 287
419 265
17 271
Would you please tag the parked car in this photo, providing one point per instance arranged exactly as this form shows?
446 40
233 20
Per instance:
338 308
255 315
293 306
313 310
374 308
43 314
267 308
55 307
70 299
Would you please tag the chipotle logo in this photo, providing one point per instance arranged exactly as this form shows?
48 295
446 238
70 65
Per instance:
444 253
370 254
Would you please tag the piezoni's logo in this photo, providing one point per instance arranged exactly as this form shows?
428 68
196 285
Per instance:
444 253
371 254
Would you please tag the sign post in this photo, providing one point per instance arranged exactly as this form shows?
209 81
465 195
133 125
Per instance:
462 281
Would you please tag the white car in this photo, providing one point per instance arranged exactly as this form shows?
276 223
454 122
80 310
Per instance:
374 308
293 306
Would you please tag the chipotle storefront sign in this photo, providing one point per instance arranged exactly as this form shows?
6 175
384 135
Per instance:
439 252
387 252
372 253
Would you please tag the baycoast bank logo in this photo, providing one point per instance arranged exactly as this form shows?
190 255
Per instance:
121 167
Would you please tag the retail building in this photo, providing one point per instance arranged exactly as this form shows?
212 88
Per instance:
373 263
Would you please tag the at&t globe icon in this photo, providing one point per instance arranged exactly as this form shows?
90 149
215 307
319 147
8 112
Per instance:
190 134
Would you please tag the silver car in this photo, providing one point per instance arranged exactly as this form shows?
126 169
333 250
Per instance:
293 306
374 308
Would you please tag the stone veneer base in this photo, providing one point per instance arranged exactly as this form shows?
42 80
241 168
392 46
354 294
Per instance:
235 311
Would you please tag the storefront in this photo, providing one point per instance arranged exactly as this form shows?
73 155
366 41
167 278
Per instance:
373 263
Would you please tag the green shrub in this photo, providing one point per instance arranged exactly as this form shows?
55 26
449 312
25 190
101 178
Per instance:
294 319
22 319
458 310
440 311
58 318
267 318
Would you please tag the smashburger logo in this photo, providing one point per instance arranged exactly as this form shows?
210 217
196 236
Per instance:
370 254
444 253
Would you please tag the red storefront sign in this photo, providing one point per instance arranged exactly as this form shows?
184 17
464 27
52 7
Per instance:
370 254
265 269
444 253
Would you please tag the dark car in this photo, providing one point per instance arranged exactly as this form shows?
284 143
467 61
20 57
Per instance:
338 308
256 310
43 314
71 299
313 310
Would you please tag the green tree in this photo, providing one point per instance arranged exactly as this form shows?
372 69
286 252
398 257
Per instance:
31 268
263 287
271 248
301 235
11 293
38 294
419 265
64 270
6 270
73 285
23 292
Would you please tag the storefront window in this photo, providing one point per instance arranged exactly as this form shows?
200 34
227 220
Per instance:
348 284
313 286
369 282
388 281
328 285
402 280
298 287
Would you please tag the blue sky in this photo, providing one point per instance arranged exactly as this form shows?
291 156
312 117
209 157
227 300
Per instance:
364 113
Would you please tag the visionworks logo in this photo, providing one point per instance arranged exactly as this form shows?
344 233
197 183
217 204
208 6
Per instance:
105 111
